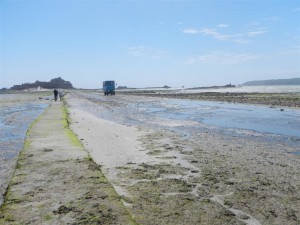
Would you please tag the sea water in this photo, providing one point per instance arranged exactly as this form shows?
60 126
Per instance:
268 123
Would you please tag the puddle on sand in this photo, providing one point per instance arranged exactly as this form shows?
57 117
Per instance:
248 117
248 120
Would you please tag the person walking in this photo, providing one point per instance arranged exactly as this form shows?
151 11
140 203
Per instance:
55 94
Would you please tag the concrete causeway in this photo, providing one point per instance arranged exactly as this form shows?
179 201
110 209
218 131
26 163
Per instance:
57 182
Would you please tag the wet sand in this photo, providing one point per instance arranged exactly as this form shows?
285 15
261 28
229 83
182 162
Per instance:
166 177
206 178
270 99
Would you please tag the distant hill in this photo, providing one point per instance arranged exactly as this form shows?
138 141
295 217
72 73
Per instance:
293 81
52 84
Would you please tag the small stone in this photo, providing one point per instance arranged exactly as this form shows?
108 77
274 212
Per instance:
62 210
244 217
228 213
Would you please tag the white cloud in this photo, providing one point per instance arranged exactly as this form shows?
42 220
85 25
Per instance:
208 31
256 33
272 19
294 50
222 25
143 51
191 31
222 58
239 38
219 36
262 22
136 50
242 41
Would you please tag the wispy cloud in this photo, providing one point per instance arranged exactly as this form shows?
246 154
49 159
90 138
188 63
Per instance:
263 22
294 50
217 35
191 31
222 25
256 32
135 50
143 51
222 58
238 38
271 19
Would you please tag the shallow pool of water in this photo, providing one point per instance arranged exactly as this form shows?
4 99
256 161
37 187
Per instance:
269 124
248 117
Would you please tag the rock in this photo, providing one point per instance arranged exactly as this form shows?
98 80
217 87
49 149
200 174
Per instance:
228 213
62 210
244 217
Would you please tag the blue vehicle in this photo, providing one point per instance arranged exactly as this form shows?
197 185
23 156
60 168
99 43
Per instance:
109 87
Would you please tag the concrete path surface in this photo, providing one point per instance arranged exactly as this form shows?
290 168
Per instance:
56 182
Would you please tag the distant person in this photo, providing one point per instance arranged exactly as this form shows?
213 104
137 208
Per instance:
61 95
55 94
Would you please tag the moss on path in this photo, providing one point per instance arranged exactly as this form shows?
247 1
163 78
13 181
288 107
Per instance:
56 182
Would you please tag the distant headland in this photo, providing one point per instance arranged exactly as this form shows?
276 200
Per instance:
293 81
52 84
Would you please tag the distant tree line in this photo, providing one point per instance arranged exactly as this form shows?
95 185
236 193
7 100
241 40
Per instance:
54 83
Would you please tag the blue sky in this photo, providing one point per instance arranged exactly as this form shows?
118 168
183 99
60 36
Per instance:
149 43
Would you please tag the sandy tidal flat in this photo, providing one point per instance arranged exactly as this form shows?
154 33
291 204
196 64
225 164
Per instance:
206 177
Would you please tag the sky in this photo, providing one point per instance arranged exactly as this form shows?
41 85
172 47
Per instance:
149 43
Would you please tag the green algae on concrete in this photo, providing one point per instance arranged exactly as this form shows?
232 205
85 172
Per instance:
66 121
56 182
